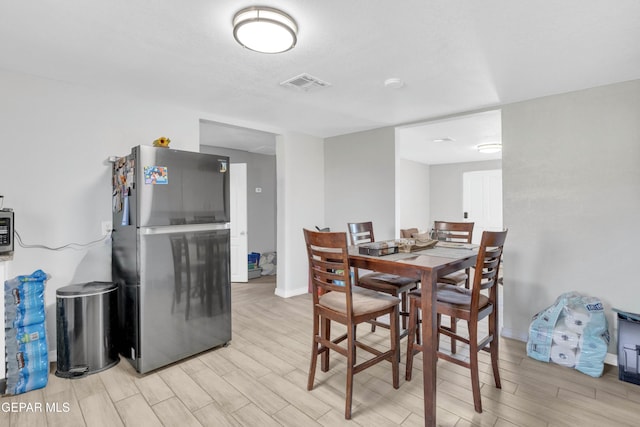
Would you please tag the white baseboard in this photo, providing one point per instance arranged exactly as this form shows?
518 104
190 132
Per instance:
611 359
291 293
514 335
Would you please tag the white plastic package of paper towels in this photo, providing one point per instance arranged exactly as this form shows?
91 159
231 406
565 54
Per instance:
268 263
572 332
27 359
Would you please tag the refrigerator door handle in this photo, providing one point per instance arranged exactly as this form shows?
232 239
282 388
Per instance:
183 228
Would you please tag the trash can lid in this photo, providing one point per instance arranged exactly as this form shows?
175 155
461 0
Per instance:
86 289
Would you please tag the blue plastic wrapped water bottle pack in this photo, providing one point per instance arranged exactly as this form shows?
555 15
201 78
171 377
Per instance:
25 333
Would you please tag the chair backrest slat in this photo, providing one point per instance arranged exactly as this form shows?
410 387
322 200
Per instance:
488 266
360 232
328 257
454 231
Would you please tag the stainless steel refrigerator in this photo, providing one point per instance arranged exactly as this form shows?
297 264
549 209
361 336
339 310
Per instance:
171 255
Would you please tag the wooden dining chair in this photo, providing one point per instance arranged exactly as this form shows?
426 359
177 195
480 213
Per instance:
456 232
397 286
472 305
336 299
460 232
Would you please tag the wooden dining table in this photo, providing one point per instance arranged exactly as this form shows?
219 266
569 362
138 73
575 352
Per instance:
428 265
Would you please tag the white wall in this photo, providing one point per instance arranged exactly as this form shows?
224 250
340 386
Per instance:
360 181
412 193
300 181
54 173
571 185
447 189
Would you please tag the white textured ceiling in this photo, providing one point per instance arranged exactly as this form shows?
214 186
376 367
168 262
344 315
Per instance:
453 56
239 138
423 143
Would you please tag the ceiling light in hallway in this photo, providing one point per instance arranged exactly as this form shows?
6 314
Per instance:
491 147
393 83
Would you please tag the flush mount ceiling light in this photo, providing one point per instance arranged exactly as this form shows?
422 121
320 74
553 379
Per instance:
491 147
265 29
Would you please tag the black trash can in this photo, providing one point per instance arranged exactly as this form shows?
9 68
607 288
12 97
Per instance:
86 322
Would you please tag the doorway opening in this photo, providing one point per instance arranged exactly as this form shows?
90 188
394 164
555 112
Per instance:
431 160
254 151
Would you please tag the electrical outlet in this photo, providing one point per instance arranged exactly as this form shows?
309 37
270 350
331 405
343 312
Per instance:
107 226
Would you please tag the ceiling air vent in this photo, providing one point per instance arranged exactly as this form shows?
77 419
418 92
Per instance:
305 82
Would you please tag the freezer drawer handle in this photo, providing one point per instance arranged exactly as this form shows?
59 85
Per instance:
187 228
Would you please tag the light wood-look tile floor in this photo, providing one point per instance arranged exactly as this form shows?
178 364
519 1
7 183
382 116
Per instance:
260 380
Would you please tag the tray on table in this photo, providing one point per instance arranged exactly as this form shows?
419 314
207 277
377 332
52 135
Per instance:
378 248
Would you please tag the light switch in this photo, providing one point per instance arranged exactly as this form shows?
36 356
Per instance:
258 189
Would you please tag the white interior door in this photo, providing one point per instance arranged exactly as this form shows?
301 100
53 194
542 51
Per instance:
482 201
239 238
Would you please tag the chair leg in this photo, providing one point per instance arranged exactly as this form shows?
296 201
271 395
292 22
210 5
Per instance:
494 363
351 361
326 335
493 349
475 381
473 362
438 322
395 347
454 329
314 352
404 299
418 323
411 336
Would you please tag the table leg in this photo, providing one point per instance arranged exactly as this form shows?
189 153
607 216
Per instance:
429 340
